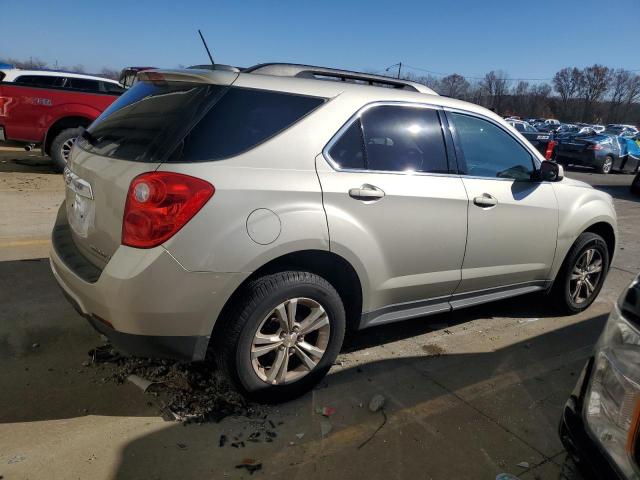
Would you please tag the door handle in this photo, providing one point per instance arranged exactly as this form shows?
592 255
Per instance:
485 201
366 192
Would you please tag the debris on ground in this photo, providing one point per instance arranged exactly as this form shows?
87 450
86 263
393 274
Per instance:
524 464
223 440
325 428
326 411
35 345
142 383
376 402
434 350
384 422
250 466
186 392
300 436
506 476
17 459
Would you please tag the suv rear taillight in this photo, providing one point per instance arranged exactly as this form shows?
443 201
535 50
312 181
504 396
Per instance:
595 146
159 204
549 152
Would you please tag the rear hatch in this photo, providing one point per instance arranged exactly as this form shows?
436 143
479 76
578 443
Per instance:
187 116
134 135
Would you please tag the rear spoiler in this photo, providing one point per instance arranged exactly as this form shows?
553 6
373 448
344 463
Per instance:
218 77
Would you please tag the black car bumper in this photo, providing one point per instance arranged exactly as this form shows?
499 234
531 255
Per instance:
588 456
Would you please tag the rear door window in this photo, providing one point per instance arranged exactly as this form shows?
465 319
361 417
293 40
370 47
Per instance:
393 138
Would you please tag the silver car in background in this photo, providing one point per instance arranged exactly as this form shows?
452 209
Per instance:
256 216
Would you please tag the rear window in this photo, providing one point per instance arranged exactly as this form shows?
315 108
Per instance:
186 122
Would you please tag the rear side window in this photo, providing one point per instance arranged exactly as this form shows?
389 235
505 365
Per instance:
393 138
489 151
108 87
83 84
187 122
40 80
241 120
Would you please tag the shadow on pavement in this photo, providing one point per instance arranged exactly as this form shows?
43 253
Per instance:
467 405
23 162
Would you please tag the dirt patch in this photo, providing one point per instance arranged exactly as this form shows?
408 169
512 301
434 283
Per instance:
434 350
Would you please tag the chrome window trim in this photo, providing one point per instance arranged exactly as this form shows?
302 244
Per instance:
357 116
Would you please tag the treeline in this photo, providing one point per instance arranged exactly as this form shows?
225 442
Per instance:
595 94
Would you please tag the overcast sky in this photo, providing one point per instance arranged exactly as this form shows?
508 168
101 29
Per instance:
527 39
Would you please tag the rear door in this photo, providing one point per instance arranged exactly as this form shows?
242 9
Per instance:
393 207
513 220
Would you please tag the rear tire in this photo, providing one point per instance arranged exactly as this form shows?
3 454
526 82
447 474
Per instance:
61 147
574 289
606 166
254 324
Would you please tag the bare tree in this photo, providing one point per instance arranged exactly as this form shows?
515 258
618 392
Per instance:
110 73
455 86
568 82
33 62
520 96
597 80
495 85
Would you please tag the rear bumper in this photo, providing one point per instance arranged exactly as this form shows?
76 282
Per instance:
588 456
144 301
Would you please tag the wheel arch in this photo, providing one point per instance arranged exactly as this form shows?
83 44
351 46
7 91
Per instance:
331 266
61 124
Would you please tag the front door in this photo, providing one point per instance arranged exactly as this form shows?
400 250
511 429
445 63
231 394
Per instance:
513 219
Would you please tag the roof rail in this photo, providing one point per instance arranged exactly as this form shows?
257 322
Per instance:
323 73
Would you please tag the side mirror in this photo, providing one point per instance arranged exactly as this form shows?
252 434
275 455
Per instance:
550 172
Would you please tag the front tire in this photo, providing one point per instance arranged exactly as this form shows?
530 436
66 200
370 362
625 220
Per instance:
281 336
582 274
61 147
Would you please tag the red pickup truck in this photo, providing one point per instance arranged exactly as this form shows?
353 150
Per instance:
50 108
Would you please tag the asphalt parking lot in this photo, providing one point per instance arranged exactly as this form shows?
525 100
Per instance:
468 395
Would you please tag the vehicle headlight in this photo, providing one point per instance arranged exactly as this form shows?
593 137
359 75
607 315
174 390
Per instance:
612 403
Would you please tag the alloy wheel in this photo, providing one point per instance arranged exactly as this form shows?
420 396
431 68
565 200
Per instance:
606 166
290 341
585 276
66 149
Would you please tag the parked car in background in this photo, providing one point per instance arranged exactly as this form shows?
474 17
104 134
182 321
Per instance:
547 127
128 75
259 215
542 141
598 128
600 425
604 151
50 108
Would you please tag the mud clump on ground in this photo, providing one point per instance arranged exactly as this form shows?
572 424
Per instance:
187 392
